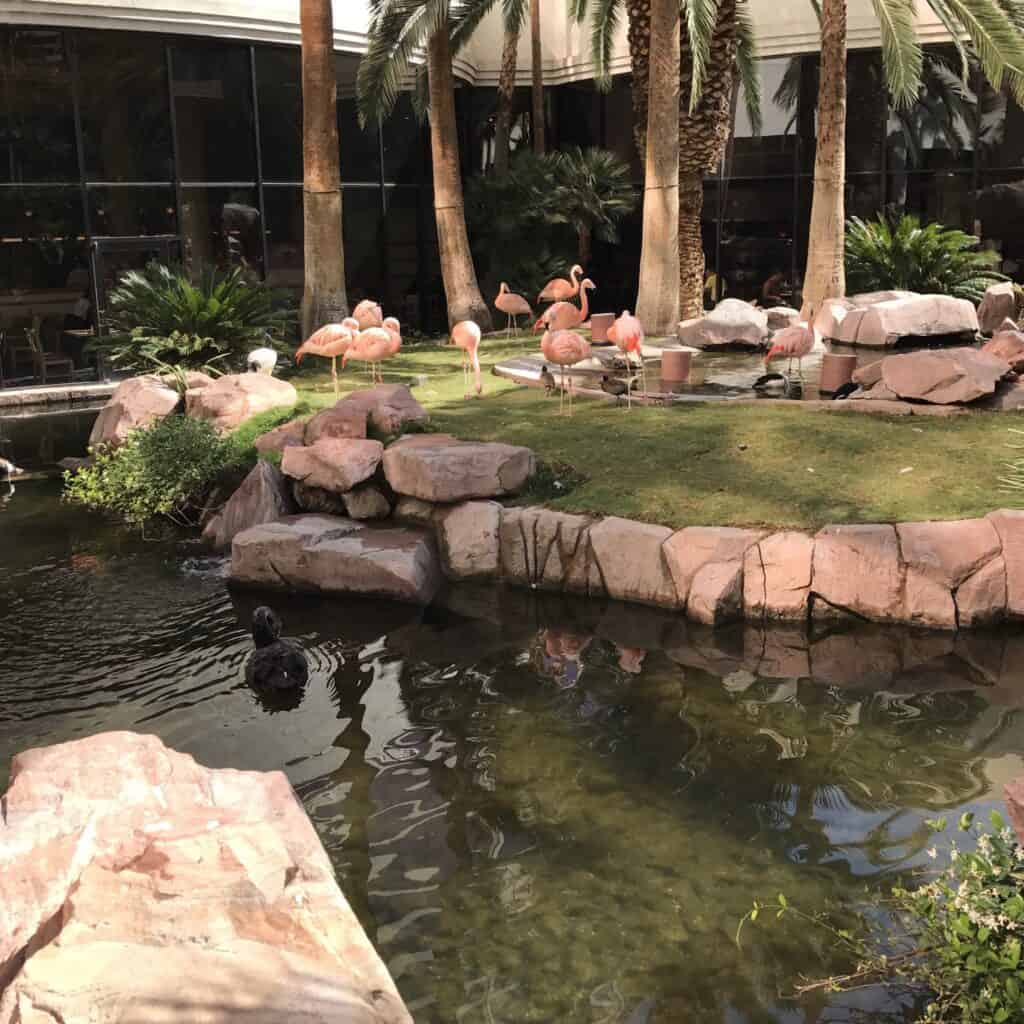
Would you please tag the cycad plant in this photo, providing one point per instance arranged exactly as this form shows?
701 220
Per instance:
900 252
158 315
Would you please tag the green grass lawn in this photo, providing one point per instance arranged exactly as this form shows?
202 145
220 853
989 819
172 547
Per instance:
713 463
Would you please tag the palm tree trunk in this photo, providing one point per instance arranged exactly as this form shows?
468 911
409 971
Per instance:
506 100
460 286
691 244
323 295
638 34
658 298
825 277
537 71
585 244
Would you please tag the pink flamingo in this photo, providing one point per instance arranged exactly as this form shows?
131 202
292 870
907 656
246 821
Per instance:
559 289
564 348
628 335
794 342
466 335
564 316
331 341
370 346
512 305
394 329
369 314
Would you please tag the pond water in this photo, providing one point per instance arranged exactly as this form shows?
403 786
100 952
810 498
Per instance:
542 810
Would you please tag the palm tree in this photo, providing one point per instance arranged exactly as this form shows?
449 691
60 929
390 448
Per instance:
323 295
716 43
398 28
514 15
992 29
537 73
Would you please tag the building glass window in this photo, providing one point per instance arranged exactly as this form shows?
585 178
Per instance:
999 213
285 253
1000 127
944 197
279 88
406 146
42 240
37 125
211 88
125 108
361 226
401 253
125 211
619 126
221 228
773 151
360 147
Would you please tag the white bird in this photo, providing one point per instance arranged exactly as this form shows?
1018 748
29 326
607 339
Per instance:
261 360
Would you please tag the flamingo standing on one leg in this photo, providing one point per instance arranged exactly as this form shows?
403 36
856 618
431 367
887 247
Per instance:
369 314
329 342
466 335
564 348
512 305
628 335
558 288
794 342
564 316
370 346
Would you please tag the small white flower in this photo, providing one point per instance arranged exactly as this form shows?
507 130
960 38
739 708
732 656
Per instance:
933 853
954 854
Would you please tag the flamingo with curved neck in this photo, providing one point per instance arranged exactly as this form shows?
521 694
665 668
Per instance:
558 289
564 316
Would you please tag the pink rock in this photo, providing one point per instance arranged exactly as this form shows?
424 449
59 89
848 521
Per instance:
263 497
287 435
631 562
945 376
180 893
340 420
136 402
1008 345
948 552
869 374
544 548
706 563
389 407
830 316
468 536
777 576
998 304
1009 523
236 397
1014 793
928 602
1008 397
857 569
335 465
981 599
366 502
780 317
457 471
883 323
732 322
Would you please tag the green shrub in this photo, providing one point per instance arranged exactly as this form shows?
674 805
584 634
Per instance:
159 316
897 252
161 471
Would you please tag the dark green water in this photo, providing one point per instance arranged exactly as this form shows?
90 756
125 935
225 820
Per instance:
541 810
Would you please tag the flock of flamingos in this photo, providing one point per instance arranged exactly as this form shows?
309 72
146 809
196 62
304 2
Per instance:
367 336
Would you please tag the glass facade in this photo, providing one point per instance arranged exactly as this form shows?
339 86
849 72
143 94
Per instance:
115 146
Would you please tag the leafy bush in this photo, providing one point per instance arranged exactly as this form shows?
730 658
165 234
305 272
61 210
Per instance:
159 316
164 470
897 252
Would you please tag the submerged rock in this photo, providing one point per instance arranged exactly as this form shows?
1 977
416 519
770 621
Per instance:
140 886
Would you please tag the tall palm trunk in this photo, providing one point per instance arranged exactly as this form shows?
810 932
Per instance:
658 298
506 99
825 277
323 295
638 35
537 72
703 135
460 286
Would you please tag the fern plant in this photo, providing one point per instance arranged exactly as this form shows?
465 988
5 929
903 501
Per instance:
900 252
159 315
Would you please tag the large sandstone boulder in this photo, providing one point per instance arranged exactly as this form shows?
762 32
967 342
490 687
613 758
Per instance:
468 536
341 420
549 550
318 500
333 464
390 408
1009 524
733 323
780 317
777 576
1007 345
333 555
136 402
366 502
883 324
857 569
263 497
999 303
631 562
139 886
288 435
236 397
939 377
450 471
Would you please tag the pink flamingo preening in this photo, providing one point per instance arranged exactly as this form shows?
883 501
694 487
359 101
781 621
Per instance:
329 342
558 288
368 314
372 346
564 316
512 305
564 348
794 342
466 335
627 333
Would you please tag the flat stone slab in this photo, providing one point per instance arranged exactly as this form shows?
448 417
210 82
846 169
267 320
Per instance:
330 554
450 471
140 886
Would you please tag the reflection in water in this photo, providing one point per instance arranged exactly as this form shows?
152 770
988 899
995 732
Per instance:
541 810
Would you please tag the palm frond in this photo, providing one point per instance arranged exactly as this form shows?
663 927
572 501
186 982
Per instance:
901 52
996 39
700 17
515 14
605 22
467 19
578 10
955 31
746 66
